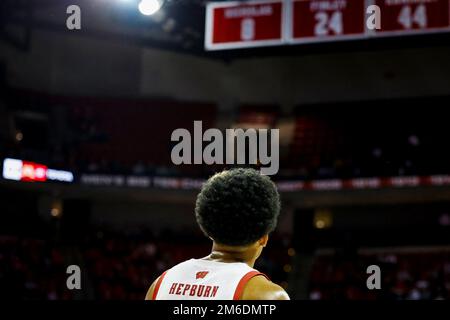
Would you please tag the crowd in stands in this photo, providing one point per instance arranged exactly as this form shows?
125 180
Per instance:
114 266
413 275
32 269
132 137
117 266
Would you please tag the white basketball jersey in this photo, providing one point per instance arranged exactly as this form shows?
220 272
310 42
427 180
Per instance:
198 279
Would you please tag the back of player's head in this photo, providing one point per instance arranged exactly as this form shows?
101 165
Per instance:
237 207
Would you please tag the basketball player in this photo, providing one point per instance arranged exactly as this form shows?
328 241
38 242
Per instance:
236 209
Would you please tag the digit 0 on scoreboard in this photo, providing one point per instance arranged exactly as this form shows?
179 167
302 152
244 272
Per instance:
400 17
232 25
322 20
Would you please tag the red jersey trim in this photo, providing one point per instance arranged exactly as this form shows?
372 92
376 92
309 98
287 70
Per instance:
158 284
243 282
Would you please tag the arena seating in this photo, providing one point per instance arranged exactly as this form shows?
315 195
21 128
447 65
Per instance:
421 274
339 140
115 265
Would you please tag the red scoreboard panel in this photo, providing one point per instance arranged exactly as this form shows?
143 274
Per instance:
244 24
399 17
275 22
314 20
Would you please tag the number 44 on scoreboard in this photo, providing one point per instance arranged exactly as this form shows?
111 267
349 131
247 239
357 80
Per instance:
231 25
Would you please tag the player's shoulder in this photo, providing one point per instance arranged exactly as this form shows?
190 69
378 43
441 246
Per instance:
261 288
150 292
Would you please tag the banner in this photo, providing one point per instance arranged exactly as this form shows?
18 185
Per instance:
231 25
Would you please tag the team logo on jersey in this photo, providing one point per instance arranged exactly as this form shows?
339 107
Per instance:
201 274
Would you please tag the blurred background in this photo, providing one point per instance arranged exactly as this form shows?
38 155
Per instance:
86 176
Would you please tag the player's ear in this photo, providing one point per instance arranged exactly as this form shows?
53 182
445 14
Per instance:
263 241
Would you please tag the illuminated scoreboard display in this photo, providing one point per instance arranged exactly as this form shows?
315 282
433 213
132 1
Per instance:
248 24
320 20
413 15
231 25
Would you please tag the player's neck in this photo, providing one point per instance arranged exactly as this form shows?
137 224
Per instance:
230 254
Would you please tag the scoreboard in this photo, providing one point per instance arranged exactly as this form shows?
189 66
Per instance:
413 16
231 25
247 24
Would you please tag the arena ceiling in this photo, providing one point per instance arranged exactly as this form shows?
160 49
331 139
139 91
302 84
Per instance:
179 26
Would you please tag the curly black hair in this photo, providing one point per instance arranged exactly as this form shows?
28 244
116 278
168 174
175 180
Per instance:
237 207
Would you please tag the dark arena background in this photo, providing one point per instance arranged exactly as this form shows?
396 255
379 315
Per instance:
86 117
